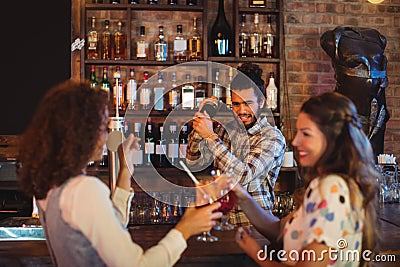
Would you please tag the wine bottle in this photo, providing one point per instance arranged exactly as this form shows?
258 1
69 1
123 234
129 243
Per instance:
93 81
221 35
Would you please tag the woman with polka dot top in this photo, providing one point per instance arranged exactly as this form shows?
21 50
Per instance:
334 223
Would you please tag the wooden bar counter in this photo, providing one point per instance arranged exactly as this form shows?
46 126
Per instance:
224 252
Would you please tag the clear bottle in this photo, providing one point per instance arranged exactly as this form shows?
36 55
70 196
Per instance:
131 91
244 39
188 94
160 46
269 39
118 90
92 41
216 89
272 93
145 92
183 141
161 149
142 46
138 154
221 38
195 44
158 92
119 46
256 38
180 45
149 147
106 41
174 94
173 144
93 81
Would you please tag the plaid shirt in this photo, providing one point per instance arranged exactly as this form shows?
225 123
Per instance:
255 156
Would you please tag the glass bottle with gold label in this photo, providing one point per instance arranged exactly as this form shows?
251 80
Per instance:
119 48
195 43
92 40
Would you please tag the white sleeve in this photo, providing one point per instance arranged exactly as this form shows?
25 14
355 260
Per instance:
86 206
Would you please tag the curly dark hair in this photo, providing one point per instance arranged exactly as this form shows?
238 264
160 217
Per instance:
62 136
348 154
254 72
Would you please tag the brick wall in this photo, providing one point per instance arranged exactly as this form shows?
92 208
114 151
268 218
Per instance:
308 67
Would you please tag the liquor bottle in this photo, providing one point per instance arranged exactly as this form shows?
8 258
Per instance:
228 97
161 148
180 45
255 38
244 39
221 34
200 91
104 157
142 46
188 94
173 144
183 142
131 91
93 81
160 46
191 2
159 90
118 90
115 1
138 154
272 93
119 47
149 143
134 2
105 44
257 3
174 94
105 84
172 2
145 93
268 39
216 89
152 2
92 41
195 45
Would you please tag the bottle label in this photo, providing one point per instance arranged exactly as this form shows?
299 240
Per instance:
180 45
142 49
158 98
161 52
173 101
161 149
182 151
131 91
145 96
188 97
173 150
149 148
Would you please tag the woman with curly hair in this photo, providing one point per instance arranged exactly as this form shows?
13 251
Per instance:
68 131
336 217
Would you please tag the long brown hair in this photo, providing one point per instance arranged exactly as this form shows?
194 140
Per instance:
61 137
348 154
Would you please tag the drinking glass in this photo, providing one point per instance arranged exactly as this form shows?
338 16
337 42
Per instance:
228 201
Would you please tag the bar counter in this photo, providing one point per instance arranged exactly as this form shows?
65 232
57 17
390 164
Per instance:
224 252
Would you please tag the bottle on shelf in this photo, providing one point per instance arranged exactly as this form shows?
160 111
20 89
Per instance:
138 154
173 144
172 2
145 93
105 85
221 35
104 157
118 90
149 146
105 44
115 1
92 40
272 93
257 3
188 94
269 39
195 45
244 38
131 91
256 38
174 95
152 2
92 80
200 91
228 96
160 46
183 142
161 149
119 45
142 46
180 45
216 89
191 2
158 93
133 2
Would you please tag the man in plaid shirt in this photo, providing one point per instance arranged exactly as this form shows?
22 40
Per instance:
247 145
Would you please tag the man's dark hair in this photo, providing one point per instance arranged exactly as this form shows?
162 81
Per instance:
254 72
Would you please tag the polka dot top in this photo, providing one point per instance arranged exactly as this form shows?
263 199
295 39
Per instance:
326 217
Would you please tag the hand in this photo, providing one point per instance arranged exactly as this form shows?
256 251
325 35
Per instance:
125 155
202 124
246 242
198 220
241 193
211 100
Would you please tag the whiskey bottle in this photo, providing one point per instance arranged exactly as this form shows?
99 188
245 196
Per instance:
92 41
180 45
106 41
119 48
188 94
195 43
149 143
93 81
244 43
161 149
269 39
221 35
159 90
173 145
255 38
272 93
145 93
174 94
142 46
138 154
160 46
131 91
